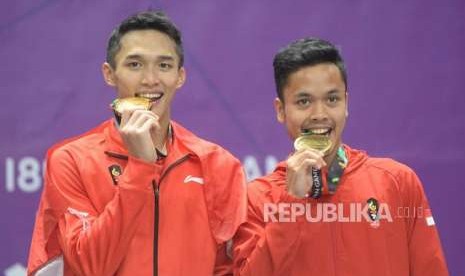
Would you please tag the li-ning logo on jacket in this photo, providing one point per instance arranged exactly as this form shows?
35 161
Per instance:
191 178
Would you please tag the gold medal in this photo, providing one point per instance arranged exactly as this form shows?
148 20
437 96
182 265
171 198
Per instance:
119 105
313 141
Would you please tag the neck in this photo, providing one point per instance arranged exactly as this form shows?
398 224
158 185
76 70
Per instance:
159 136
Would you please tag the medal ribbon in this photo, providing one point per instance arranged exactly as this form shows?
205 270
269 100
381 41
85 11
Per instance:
336 169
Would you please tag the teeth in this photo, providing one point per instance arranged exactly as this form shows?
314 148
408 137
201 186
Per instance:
150 95
320 130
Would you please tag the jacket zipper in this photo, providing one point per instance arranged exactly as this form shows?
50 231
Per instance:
155 230
156 190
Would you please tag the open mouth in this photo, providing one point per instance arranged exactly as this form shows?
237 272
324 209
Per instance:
152 97
317 131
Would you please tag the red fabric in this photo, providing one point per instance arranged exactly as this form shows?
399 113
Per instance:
107 229
405 246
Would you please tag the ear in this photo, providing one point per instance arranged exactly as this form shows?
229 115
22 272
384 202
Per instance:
347 104
181 78
108 74
279 108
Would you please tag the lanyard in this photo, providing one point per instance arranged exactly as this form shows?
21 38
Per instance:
336 169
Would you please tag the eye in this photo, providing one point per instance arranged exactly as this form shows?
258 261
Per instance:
134 64
165 66
333 99
303 102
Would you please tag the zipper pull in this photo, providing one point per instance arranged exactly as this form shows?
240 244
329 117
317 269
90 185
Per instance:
155 187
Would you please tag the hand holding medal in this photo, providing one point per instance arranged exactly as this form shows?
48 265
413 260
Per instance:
136 126
322 143
308 157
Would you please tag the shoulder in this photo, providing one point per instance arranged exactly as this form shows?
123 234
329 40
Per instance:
363 165
389 166
204 149
387 170
79 145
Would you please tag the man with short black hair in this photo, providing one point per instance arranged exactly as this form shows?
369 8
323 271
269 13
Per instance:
330 209
139 195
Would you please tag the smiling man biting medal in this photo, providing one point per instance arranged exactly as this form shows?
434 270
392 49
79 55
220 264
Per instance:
329 209
139 194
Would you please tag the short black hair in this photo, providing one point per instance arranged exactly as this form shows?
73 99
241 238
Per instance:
145 20
302 53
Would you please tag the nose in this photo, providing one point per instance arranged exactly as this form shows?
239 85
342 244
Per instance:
150 77
318 112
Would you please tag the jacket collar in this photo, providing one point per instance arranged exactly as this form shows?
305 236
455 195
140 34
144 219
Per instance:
182 143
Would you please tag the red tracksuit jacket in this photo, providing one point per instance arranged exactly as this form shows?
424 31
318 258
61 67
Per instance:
352 245
109 214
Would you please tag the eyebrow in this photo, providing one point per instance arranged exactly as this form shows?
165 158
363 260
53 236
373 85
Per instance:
333 91
165 57
134 56
302 94
137 56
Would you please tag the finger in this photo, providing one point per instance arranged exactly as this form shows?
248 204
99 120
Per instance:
314 151
305 164
317 155
153 115
140 116
302 155
309 152
308 164
148 124
299 155
134 113
156 124
139 120
147 113
301 167
134 117
125 116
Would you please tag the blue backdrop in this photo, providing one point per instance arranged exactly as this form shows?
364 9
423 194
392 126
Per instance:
406 76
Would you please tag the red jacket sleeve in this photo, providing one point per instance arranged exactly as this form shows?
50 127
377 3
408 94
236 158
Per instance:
426 255
264 248
225 194
92 243
226 198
